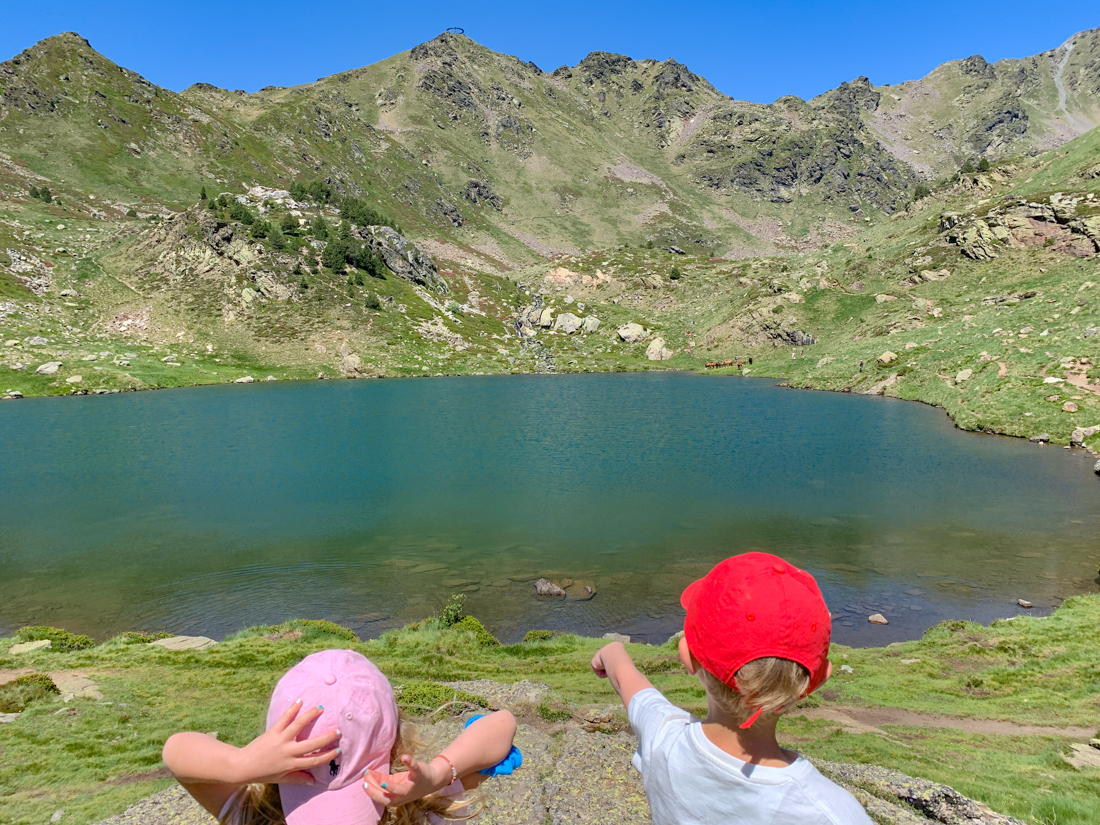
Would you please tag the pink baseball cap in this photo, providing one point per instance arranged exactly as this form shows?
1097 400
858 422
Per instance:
358 700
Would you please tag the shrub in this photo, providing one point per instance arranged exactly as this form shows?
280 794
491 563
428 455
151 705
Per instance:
675 274
131 212
328 628
45 196
555 711
319 227
202 194
278 240
20 692
289 225
372 302
212 205
260 229
540 635
921 191
482 636
421 698
239 212
454 307
359 212
34 193
59 639
983 165
137 637
452 611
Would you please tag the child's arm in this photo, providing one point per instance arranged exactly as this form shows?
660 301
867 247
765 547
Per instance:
483 744
212 771
614 663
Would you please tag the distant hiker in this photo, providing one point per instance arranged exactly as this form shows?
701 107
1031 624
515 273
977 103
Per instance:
294 772
757 637
861 366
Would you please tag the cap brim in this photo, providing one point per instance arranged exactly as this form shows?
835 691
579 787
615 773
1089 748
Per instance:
310 804
688 596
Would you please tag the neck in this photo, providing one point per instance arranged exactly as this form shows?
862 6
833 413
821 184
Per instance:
756 744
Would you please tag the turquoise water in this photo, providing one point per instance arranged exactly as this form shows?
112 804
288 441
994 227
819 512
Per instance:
208 509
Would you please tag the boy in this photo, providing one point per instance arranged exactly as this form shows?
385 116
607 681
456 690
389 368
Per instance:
757 636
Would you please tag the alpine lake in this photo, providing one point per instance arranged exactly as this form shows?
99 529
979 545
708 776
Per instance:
210 509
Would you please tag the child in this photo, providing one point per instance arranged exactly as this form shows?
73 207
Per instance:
332 729
757 636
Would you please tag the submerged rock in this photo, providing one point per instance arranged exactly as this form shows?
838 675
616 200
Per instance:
545 587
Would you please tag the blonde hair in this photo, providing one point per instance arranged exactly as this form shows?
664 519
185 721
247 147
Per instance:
259 804
771 685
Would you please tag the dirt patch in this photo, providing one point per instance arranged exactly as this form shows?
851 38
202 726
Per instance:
876 717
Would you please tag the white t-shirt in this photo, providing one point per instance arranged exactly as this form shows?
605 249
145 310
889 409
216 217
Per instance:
690 781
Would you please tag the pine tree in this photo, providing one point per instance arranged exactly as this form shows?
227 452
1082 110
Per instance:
34 192
202 194
45 195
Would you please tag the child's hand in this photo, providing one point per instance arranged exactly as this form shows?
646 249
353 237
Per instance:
396 789
598 666
277 755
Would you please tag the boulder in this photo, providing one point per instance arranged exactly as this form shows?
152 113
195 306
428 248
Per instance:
1096 468
657 351
74 379
567 322
244 379
545 587
591 324
1025 604
882 299
1069 407
1077 438
184 643
49 368
887 358
404 258
877 618
617 637
1042 438
38 341
963 375
546 317
631 332
69 293
28 647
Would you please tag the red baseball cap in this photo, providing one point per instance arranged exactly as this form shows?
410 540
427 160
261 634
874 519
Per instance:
752 606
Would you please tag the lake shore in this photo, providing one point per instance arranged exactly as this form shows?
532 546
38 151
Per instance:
991 711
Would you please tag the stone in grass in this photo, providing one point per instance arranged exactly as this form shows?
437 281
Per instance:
29 647
1041 438
1069 407
963 375
49 368
1024 603
244 379
184 643
878 618
617 637
887 357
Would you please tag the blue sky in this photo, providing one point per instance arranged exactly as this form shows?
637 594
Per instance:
751 50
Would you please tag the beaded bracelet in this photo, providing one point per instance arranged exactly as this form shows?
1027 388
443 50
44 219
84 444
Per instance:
454 773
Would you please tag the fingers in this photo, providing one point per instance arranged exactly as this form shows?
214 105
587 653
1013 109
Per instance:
287 717
317 742
303 719
318 759
298 778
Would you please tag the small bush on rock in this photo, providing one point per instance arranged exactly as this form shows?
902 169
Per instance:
422 698
59 639
482 636
20 692
540 635
137 637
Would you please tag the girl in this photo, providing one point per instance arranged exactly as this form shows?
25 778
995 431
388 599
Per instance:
333 734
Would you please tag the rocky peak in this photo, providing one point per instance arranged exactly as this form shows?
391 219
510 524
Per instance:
603 65
978 66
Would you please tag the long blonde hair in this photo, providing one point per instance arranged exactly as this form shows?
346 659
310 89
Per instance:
259 804
770 685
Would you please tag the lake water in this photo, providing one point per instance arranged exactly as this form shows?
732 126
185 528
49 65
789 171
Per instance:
205 510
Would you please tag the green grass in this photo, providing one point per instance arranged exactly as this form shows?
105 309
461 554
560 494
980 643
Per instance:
94 758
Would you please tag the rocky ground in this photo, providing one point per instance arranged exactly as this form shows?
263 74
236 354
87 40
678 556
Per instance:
574 776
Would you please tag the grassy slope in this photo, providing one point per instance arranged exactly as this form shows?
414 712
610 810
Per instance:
92 759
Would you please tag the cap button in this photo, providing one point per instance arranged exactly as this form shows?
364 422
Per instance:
779 568
330 680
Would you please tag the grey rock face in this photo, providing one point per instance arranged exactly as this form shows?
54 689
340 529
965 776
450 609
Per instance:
404 258
545 587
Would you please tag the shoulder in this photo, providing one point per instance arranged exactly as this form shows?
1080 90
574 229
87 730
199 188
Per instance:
831 799
650 705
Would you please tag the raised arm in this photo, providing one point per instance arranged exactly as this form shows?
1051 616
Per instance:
483 744
612 662
212 771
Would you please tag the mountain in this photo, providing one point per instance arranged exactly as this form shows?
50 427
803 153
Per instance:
455 210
